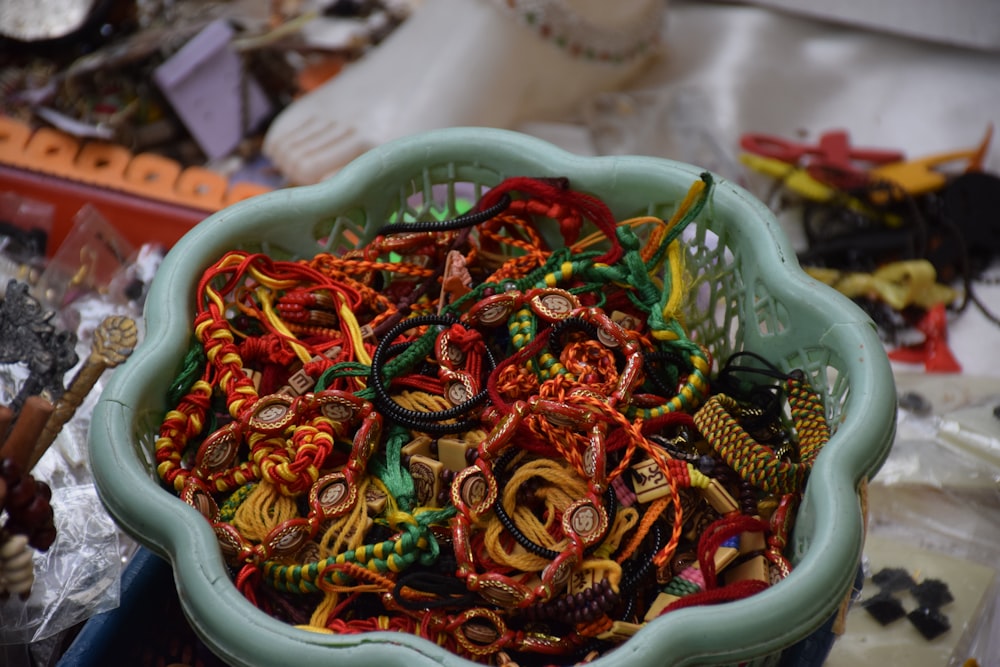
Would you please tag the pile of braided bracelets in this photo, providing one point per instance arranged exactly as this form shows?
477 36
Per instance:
457 431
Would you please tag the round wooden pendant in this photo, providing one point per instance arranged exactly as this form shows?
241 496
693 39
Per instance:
492 310
332 495
554 304
288 538
473 490
587 520
272 414
196 494
218 451
337 407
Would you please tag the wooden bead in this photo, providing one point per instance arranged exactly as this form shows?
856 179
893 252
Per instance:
287 538
333 495
419 446
300 382
720 499
16 567
375 499
752 542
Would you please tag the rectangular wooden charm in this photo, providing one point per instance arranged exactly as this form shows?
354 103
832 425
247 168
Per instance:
451 452
426 473
751 542
375 499
300 382
720 499
649 481
582 579
620 631
754 569
419 446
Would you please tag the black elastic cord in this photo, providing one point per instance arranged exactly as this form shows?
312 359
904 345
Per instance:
631 581
426 422
768 368
610 505
467 220
767 398
675 361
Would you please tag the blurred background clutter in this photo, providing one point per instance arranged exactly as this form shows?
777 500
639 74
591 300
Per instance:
868 129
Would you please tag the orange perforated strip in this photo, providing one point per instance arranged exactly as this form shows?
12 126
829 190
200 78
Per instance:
149 198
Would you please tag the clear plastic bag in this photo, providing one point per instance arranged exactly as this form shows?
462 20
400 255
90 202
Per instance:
680 123
934 512
79 576
76 578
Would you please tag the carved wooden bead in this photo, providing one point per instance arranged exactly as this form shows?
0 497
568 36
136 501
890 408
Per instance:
492 310
16 567
271 414
554 304
480 632
333 495
426 473
197 495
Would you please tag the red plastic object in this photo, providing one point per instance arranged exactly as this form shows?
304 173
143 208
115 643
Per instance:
833 160
934 352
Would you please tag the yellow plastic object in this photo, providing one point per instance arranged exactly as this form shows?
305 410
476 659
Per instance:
918 177
899 284
802 183
746 293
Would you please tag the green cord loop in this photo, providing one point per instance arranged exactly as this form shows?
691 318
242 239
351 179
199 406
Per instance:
192 367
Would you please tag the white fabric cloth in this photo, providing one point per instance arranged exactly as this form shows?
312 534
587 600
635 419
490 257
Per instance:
734 69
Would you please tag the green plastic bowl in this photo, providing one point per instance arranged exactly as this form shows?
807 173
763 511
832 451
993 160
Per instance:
750 294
